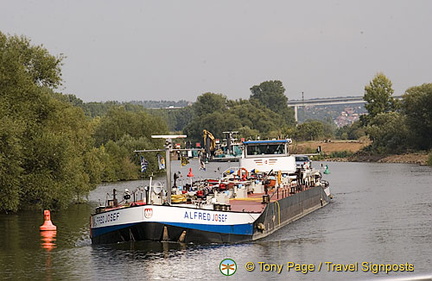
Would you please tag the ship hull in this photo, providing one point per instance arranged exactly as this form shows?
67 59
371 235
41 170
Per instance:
153 231
282 212
194 225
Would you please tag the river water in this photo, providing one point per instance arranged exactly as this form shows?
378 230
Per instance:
380 214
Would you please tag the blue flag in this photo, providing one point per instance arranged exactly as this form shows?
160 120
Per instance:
144 164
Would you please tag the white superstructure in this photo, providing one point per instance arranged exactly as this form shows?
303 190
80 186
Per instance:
267 155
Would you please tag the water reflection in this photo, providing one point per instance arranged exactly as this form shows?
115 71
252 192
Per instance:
381 213
48 239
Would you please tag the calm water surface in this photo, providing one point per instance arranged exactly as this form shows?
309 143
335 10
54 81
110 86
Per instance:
381 214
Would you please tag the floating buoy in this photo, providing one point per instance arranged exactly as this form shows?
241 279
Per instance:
327 171
190 175
47 225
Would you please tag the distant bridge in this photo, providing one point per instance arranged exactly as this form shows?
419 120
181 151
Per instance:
326 101
322 101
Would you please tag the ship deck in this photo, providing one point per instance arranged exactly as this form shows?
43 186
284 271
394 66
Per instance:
254 201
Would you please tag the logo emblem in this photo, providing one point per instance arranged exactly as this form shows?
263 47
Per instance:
148 213
228 267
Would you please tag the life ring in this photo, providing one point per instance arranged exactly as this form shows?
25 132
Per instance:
241 175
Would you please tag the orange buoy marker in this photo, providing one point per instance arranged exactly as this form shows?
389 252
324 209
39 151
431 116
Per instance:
190 175
47 225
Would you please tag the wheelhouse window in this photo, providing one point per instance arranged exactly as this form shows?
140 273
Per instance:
266 149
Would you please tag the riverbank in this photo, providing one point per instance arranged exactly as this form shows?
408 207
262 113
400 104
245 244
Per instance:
349 151
328 147
420 158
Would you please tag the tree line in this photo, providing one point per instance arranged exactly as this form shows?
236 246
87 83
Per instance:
397 126
51 151
54 148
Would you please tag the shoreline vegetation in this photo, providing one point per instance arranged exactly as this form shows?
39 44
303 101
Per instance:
55 148
352 151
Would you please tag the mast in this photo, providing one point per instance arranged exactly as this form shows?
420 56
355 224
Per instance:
168 150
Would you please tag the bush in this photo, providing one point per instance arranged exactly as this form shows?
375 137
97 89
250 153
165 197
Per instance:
429 161
341 154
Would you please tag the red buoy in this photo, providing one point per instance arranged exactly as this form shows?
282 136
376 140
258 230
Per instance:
190 175
47 225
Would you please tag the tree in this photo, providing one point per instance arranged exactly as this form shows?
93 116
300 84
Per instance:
257 117
11 156
271 95
216 122
43 139
209 103
417 106
210 112
351 132
23 63
119 133
176 118
180 118
378 97
389 133
215 113
119 122
310 130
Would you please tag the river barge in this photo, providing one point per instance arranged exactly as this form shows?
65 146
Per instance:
265 192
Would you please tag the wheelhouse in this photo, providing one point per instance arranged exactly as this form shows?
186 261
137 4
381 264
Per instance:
268 155
266 148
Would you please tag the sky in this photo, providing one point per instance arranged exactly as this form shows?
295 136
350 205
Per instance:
179 49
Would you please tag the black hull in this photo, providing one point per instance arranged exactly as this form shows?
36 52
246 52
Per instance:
284 211
161 232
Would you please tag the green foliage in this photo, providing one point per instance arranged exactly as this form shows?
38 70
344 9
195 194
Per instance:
20 63
179 118
394 131
118 134
10 162
24 71
309 131
270 94
351 132
176 118
341 154
216 114
208 103
209 112
388 132
257 117
119 122
417 106
55 148
248 133
429 161
43 139
378 97
313 130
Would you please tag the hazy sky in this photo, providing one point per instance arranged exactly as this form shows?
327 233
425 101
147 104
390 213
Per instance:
180 49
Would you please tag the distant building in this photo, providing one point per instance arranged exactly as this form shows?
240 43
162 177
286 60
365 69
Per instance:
347 117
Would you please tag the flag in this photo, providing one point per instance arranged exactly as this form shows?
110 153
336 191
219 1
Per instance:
161 162
144 164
